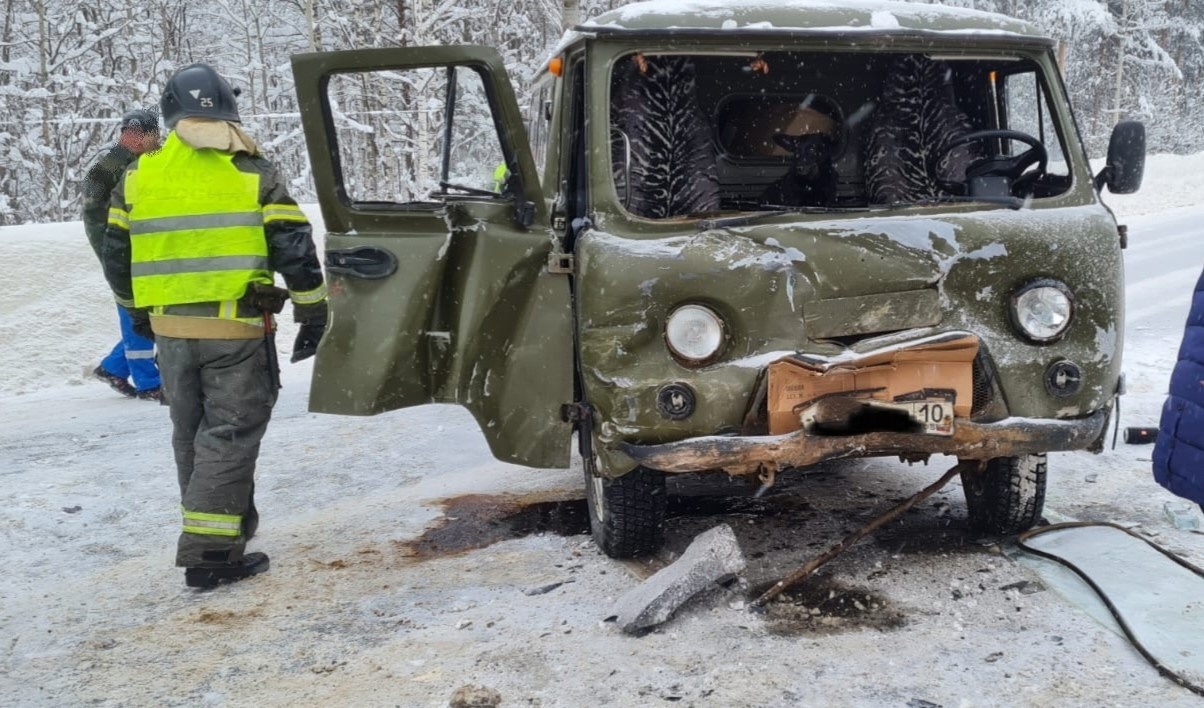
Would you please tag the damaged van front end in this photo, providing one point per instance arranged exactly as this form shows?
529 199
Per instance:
736 237
831 294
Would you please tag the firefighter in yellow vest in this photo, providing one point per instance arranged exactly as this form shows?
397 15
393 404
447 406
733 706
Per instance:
197 231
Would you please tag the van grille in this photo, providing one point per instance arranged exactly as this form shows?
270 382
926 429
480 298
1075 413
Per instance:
984 389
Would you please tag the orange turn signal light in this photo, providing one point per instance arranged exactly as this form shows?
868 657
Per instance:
556 66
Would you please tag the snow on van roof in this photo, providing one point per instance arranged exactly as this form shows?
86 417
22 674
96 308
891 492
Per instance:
785 15
834 17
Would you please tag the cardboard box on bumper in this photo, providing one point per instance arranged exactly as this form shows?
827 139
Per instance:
886 376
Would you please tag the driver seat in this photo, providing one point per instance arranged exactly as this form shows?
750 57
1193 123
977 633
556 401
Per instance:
907 154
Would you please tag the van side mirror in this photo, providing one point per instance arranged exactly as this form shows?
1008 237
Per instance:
1126 159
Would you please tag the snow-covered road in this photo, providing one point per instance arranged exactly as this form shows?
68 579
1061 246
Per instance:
92 611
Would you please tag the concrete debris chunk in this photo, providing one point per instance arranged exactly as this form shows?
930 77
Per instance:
712 557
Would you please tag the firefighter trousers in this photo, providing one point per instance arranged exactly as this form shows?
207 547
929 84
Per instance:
221 399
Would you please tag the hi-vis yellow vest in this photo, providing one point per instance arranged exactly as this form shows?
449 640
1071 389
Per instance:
196 227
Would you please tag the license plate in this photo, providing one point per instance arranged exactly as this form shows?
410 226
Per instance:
930 410
934 415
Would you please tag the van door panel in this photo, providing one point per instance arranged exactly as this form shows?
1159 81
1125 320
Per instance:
468 314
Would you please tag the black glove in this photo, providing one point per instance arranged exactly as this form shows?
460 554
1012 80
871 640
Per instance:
140 319
313 323
306 344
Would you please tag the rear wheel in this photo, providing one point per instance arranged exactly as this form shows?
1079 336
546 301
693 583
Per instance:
1008 496
626 514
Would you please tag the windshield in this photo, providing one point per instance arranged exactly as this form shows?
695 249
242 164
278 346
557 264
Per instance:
699 135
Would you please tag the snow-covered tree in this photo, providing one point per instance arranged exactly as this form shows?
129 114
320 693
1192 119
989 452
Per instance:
68 70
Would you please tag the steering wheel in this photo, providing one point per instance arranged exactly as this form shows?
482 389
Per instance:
997 175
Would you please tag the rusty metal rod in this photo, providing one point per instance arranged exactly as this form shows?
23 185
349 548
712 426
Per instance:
812 565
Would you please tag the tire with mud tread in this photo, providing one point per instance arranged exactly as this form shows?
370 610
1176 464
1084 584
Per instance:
1007 497
626 514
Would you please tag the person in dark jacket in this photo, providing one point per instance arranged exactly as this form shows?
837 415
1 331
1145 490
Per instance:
134 355
1179 448
197 231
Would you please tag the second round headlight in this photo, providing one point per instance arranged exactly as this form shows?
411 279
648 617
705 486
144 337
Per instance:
694 333
1042 310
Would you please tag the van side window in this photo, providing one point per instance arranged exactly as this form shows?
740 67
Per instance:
416 136
1027 110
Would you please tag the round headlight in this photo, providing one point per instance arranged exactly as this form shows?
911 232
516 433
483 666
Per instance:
1042 310
694 333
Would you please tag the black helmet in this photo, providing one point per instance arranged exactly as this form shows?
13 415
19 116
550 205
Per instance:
141 120
197 91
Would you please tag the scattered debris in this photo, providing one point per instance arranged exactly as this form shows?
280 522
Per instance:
73 509
1026 587
469 696
993 657
713 556
1092 478
1184 516
545 588
812 565
327 667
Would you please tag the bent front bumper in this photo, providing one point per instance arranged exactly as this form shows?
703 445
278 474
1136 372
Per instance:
975 441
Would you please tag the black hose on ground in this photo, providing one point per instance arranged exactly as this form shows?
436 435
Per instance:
1120 620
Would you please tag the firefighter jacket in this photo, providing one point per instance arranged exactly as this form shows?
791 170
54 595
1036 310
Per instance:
102 175
1179 448
189 229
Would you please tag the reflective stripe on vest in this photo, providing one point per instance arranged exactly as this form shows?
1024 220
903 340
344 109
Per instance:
205 524
196 227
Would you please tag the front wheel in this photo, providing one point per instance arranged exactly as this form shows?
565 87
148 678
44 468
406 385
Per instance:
1008 496
626 514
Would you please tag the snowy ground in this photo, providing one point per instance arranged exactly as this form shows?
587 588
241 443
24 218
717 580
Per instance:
92 611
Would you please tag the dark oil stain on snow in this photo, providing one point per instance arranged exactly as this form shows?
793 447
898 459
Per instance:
922 532
821 605
714 506
475 521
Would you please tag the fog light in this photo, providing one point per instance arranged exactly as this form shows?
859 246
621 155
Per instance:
675 401
1063 378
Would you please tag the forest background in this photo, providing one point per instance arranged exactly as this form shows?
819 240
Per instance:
68 70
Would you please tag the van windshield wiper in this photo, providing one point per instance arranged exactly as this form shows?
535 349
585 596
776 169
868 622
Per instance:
753 217
757 216
1010 202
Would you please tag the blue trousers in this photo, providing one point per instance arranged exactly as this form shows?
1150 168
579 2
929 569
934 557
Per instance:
133 356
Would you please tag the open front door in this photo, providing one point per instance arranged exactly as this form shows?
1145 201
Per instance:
437 246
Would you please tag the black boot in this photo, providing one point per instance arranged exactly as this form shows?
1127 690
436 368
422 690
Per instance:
117 383
208 576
